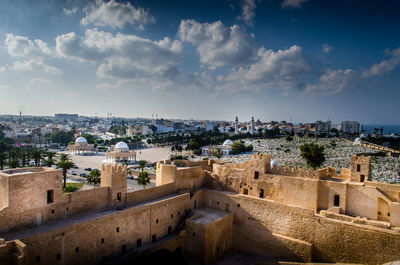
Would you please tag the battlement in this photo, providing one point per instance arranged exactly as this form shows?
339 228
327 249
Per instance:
114 168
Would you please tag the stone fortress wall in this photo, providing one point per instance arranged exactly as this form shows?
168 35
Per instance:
283 213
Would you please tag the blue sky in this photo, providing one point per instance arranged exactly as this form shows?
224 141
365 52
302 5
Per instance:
299 60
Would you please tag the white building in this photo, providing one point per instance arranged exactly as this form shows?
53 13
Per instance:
351 127
225 148
323 126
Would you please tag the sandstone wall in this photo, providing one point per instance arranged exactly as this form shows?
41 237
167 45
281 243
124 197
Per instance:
106 235
150 194
331 240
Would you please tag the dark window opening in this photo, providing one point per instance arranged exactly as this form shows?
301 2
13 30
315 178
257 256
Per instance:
139 243
117 229
227 208
156 221
58 256
255 174
67 209
153 238
50 196
238 205
217 249
119 196
195 204
169 230
37 259
261 193
194 234
102 241
245 191
362 178
77 249
172 216
179 213
217 203
358 168
123 249
336 200
52 211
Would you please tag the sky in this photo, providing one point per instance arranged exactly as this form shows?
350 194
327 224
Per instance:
293 60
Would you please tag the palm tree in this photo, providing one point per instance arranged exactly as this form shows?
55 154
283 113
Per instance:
3 153
65 163
142 164
143 179
50 159
37 156
94 177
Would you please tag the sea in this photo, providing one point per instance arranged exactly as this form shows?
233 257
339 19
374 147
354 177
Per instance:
387 129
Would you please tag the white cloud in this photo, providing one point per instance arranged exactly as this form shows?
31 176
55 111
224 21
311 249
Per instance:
248 11
39 80
70 11
34 54
2 68
123 56
199 80
292 3
114 14
283 69
326 48
334 81
385 66
20 46
35 65
218 45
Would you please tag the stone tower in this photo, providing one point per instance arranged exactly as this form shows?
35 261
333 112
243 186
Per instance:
252 130
360 167
236 125
115 176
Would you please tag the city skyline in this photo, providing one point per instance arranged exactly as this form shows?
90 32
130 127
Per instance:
275 60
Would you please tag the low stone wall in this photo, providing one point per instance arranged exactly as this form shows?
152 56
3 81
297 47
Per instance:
150 194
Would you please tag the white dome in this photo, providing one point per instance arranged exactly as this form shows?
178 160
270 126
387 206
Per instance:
273 162
392 135
81 140
121 146
357 141
228 143
363 136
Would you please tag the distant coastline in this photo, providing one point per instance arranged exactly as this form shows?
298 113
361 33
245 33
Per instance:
387 128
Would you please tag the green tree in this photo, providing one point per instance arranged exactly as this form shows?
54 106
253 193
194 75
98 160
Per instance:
49 161
218 154
142 164
143 179
94 177
289 138
37 156
313 154
3 153
64 162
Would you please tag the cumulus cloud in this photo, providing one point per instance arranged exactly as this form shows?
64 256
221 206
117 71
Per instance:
248 11
292 3
20 46
326 48
70 11
385 66
334 81
36 65
34 54
282 69
123 56
217 44
114 14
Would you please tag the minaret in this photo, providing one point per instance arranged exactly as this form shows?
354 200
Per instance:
236 125
252 126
